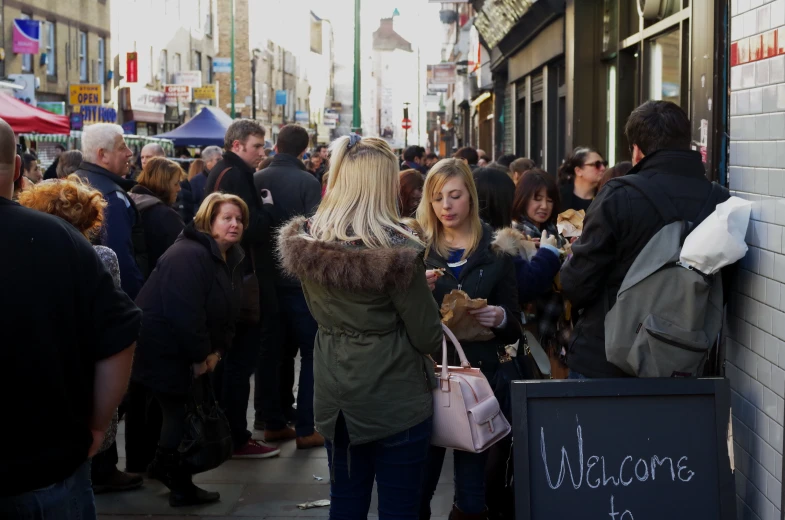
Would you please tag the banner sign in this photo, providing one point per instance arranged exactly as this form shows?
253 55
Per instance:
205 92
93 114
131 65
55 107
222 65
301 116
85 94
440 77
192 78
146 100
27 36
280 97
176 94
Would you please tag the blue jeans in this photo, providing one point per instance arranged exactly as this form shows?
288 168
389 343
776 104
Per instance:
232 380
576 375
71 499
469 478
397 463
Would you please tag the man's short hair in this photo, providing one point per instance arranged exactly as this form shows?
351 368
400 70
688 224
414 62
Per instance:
210 153
241 130
658 125
292 140
468 153
98 136
522 165
431 155
412 153
319 148
506 160
60 147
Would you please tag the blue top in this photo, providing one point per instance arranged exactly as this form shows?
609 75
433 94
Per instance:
455 258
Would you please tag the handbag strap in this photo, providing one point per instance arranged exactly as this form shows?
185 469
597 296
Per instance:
445 376
220 178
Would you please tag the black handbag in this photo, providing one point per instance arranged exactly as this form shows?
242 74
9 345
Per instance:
520 367
207 441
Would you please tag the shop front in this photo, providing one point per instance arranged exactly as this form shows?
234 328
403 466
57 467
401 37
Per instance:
143 110
625 53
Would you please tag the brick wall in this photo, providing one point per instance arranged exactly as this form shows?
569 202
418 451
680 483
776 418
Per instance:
755 346
242 55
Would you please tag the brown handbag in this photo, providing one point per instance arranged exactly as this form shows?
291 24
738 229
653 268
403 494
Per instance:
250 306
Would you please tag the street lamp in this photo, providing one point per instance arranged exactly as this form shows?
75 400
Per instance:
254 59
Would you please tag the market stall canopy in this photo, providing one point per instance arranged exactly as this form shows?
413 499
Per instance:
25 118
206 128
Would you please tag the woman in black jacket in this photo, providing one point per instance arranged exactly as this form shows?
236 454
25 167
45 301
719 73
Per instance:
154 195
579 176
190 305
460 244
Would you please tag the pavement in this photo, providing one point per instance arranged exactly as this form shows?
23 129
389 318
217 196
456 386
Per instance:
267 489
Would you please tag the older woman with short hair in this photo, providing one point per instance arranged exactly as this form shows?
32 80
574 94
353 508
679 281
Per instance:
190 305
68 163
154 195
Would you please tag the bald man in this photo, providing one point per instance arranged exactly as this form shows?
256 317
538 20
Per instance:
71 356
152 150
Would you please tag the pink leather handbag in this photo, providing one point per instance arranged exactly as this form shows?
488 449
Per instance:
466 414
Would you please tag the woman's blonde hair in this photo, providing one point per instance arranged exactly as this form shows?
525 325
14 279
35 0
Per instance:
211 206
71 199
196 168
157 177
433 230
361 202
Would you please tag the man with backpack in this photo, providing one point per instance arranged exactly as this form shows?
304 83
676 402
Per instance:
667 185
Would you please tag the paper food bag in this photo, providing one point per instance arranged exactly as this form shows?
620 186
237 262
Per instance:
455 314
719 240
570 223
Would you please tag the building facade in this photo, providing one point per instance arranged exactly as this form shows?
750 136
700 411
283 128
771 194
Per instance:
75 44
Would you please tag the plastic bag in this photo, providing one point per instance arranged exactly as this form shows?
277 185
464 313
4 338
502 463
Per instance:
455 314
719 240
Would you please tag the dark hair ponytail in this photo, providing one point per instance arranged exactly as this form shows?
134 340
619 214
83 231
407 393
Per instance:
572 161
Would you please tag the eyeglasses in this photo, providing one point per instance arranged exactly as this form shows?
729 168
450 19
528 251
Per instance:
597 164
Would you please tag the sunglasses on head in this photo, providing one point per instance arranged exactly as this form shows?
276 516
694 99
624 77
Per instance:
597 164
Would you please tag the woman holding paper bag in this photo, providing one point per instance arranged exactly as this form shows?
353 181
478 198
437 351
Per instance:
459 245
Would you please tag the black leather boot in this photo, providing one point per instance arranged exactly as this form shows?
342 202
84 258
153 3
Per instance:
457 514
186 493
163 465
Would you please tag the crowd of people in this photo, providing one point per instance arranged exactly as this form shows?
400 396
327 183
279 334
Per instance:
342 256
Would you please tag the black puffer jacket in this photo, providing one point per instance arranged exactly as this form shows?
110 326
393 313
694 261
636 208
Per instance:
619 224
190 305
488 274
162 225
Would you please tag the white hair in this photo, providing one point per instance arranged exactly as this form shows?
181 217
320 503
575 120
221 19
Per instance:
211 152
97 137
155 148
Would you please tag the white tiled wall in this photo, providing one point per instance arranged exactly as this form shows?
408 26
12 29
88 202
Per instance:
756 324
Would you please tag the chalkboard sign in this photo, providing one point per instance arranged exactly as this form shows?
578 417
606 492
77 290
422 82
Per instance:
622 449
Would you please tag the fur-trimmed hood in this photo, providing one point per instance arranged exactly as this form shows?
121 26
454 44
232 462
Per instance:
344 266
514 243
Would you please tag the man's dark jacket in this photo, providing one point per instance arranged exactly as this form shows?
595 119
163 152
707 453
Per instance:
122 230
185 204
414 166
295 192
190 305
198 184
619 224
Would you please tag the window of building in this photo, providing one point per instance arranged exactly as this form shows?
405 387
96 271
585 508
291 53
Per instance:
27 59
163 62
51 54
210 72
664 64
196 60
177 65
101 60
208 18
82 56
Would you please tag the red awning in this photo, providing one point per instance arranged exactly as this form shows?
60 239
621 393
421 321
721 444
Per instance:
25 118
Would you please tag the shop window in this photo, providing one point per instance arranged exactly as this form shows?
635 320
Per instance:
82 56
101 61
27 59
664 67
51 54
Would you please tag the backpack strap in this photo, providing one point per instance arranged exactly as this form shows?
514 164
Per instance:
715 195
220 178
653 194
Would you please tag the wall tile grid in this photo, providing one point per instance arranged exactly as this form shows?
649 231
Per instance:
755 334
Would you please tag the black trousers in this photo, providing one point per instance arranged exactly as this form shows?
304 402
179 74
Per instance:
173 411
142 427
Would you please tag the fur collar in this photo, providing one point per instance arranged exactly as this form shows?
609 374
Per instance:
514 243
343 266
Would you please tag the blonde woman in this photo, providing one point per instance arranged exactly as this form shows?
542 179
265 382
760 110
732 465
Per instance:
155 193
364 280
461 245
190 305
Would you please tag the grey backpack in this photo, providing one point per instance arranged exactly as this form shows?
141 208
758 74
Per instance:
667 316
